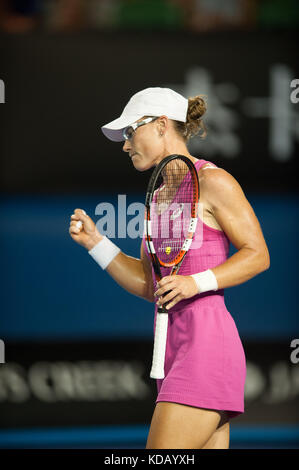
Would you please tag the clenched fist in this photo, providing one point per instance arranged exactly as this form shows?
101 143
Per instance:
83 230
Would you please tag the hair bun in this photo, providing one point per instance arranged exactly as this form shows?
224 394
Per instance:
194 124
196 109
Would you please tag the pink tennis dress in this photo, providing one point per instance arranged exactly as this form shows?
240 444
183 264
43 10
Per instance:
205 363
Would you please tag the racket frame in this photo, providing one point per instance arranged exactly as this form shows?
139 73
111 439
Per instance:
157 371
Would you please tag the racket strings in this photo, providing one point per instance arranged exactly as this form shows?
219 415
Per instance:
171 210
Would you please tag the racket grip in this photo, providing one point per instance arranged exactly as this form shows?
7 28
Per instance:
157 370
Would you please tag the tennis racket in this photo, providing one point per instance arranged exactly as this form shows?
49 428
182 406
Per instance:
173 192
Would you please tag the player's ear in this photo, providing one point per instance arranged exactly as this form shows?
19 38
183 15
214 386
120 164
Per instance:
162 124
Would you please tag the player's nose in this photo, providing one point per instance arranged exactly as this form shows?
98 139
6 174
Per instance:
126 146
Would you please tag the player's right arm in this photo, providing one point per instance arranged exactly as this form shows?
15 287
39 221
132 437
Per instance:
133 274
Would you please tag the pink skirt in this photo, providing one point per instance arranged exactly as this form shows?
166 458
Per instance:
205 364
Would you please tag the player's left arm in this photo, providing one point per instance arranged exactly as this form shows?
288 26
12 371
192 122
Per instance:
233 212
226 201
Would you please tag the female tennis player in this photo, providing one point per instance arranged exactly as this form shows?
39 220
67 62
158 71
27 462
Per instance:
205 367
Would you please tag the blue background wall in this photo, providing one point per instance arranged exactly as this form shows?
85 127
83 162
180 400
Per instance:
52 288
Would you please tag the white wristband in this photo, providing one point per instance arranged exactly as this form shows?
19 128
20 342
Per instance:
205 281
104 252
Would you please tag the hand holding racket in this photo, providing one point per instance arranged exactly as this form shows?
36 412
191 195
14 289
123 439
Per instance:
173 190
173 289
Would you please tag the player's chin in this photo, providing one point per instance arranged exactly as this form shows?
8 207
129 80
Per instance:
140 166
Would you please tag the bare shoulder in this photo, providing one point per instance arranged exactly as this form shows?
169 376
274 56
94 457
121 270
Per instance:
214 176
218 185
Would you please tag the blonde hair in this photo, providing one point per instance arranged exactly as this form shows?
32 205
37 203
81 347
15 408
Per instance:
194 124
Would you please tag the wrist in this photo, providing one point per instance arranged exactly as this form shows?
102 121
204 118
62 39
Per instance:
94 240
205 281
104 252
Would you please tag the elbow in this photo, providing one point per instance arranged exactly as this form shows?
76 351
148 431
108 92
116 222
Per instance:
148 293
264 261
149 298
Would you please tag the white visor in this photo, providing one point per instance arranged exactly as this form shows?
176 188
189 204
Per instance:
149 102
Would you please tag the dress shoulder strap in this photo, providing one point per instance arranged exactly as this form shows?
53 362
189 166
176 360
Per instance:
208 164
